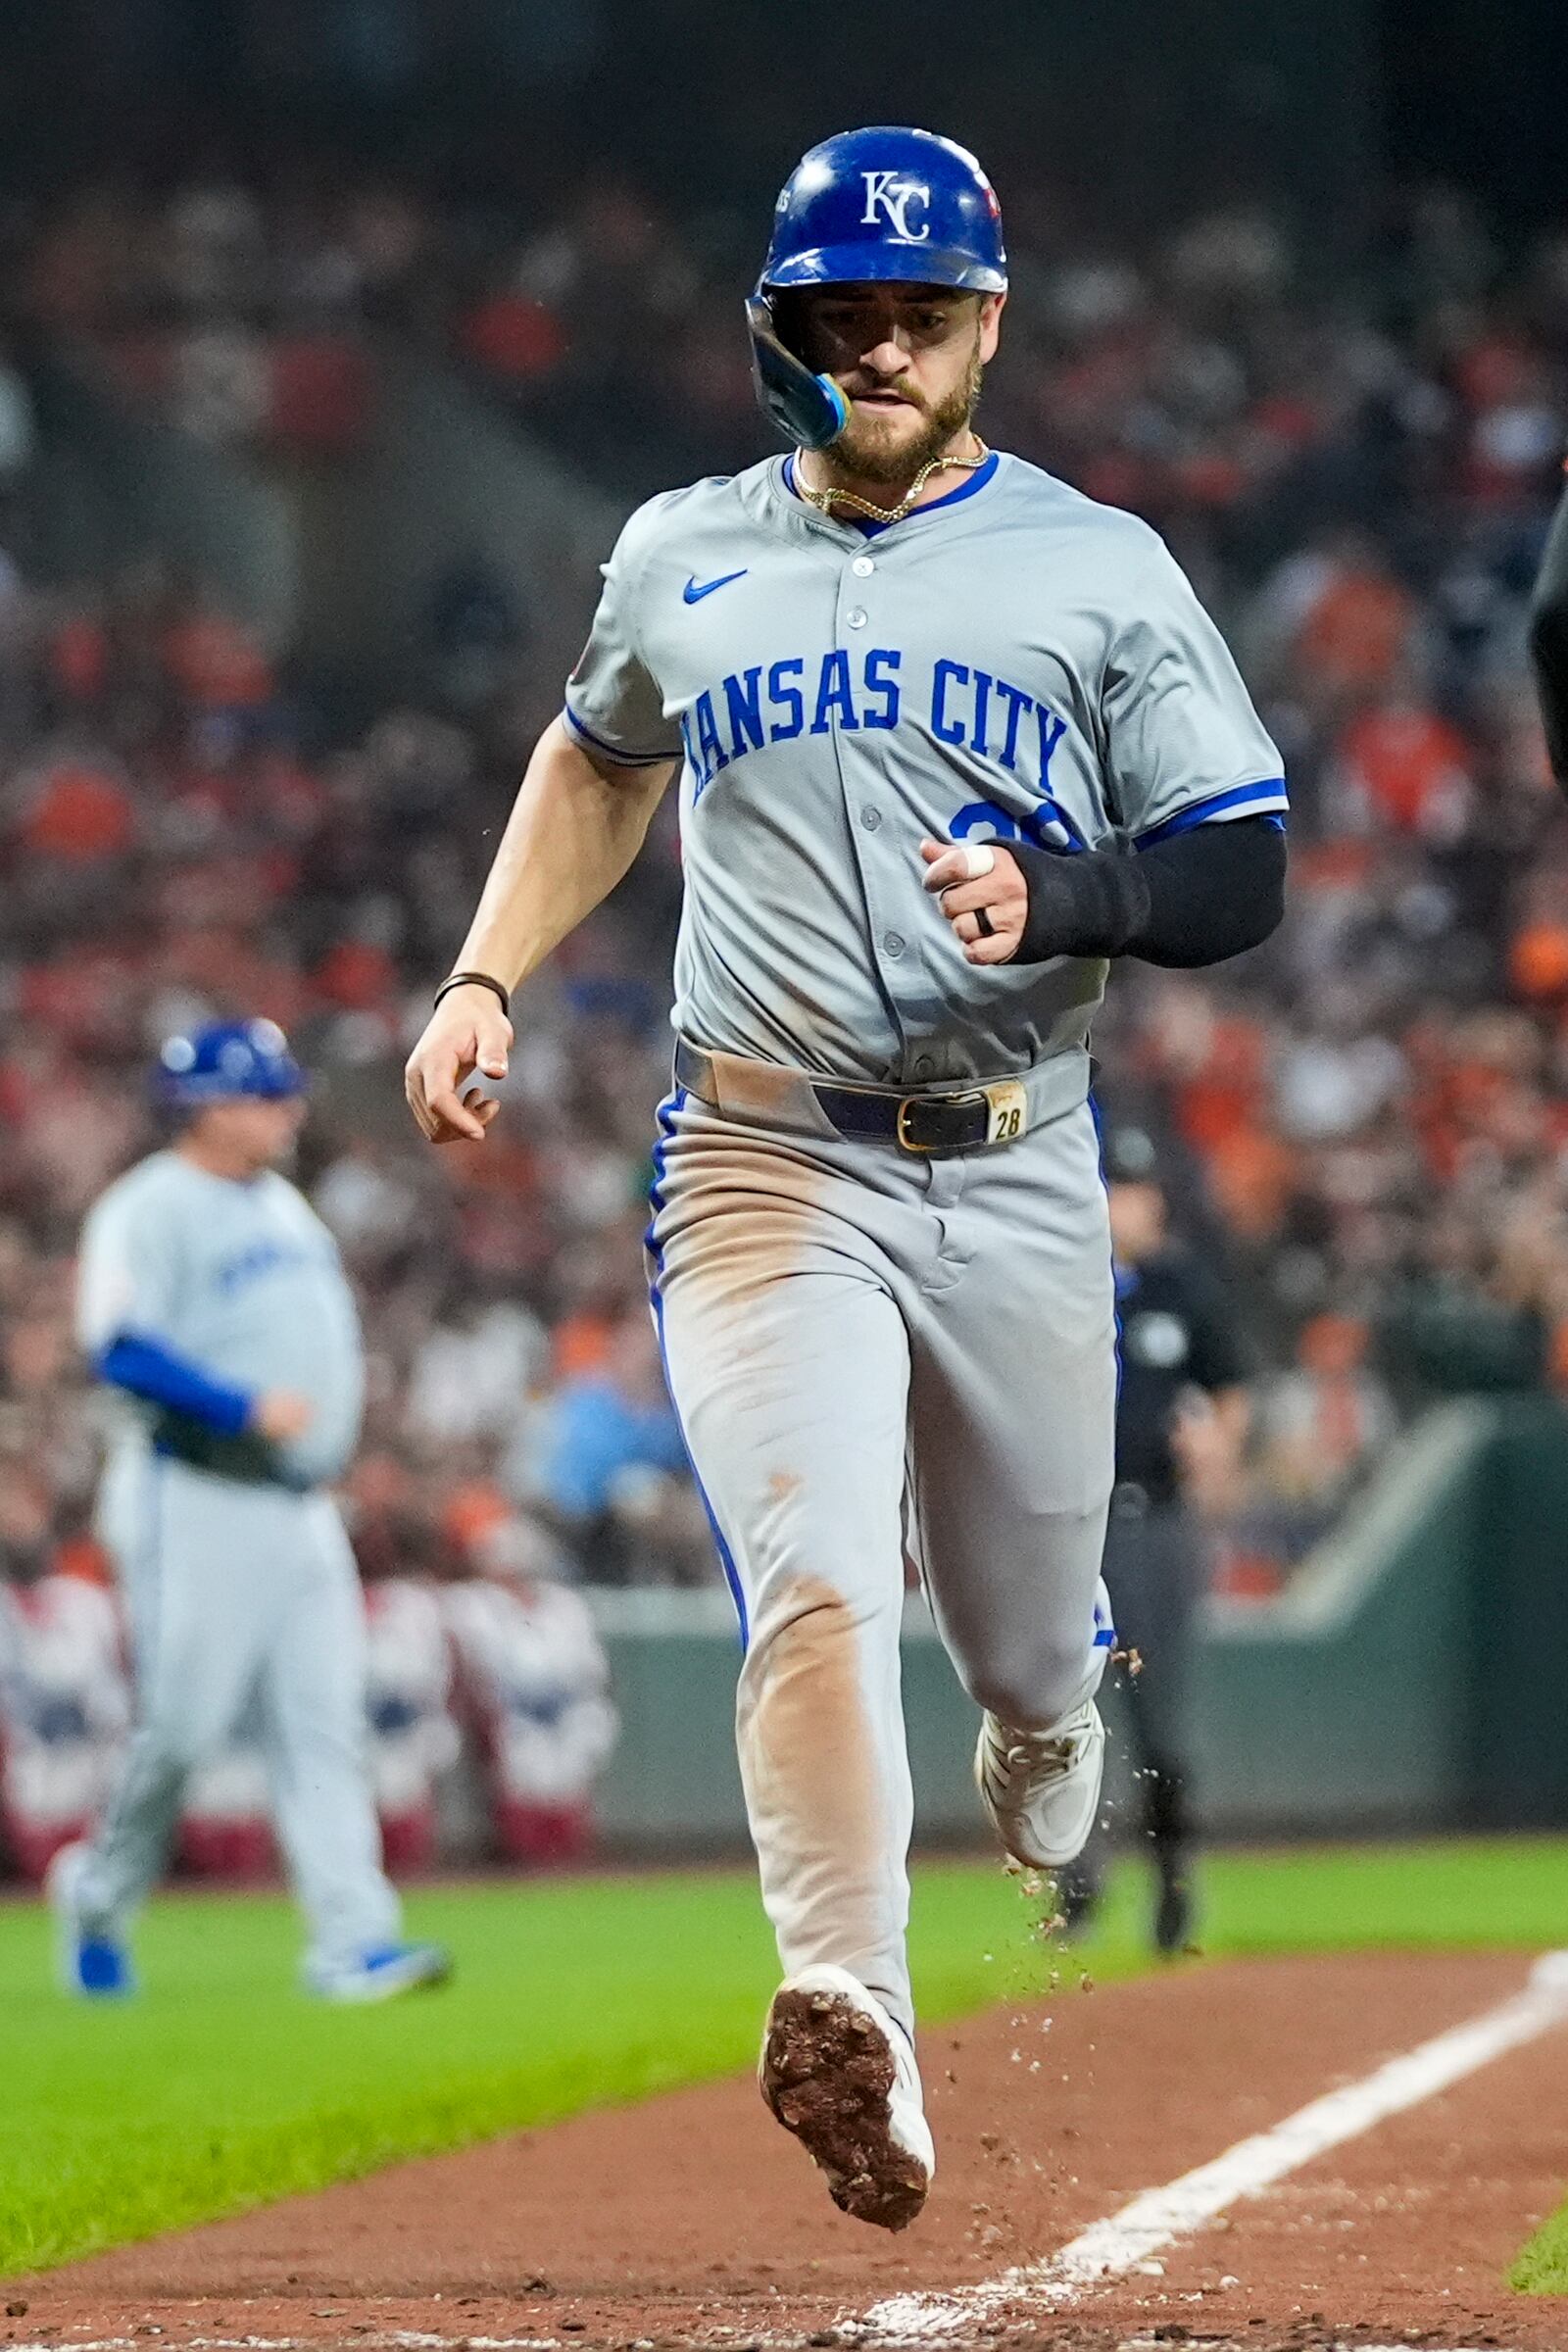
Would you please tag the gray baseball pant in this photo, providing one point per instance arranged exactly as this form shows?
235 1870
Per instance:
242 1598
873 1352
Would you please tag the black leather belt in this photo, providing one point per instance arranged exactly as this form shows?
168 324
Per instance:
925 1123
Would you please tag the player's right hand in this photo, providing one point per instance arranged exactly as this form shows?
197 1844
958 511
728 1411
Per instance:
468 1035
278 1414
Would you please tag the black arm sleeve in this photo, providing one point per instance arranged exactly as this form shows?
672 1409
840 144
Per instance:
1548 641
1202 896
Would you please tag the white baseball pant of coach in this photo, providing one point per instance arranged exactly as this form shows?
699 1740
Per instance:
242 1597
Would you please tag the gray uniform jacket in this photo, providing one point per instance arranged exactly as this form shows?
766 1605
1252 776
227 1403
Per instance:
242 1280
1012 661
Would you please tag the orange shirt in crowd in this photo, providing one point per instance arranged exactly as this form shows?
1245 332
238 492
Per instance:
1412 767
1537 961
580 1346
1354 636
473 1512
216 664
1219 1099
83 1556
1250 1175
78 813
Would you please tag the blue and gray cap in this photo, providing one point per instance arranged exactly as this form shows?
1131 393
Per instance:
223 1060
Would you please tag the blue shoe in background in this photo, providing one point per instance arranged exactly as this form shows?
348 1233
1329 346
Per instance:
380 1974
94 1966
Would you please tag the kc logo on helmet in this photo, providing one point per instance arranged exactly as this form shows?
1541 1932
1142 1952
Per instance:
886 193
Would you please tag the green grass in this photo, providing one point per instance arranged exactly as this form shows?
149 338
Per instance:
220 2086
1542 2268
1443 1896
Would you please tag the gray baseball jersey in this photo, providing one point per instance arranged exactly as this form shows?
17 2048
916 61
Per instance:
243 1280
1010 662
243 1599
876 1352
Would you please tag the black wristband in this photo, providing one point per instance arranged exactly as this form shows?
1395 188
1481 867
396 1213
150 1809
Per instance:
1091 903
474 980
1194 899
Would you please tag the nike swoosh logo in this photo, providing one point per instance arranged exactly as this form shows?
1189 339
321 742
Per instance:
695 595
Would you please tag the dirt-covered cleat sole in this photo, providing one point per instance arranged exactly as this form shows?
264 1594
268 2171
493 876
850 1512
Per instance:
837 2073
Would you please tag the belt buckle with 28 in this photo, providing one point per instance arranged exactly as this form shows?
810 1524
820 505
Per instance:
1005 1106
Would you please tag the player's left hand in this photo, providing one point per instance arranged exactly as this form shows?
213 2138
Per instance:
971 880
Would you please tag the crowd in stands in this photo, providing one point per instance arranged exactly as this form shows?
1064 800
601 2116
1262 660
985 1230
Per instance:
238 315
1368 1119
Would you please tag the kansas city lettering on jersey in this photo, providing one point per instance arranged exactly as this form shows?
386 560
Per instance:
258 1258
962 705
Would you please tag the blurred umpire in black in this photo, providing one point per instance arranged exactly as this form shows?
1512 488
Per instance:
1548 641
1181 1370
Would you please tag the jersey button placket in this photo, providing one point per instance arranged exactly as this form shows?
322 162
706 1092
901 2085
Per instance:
858 775
859 770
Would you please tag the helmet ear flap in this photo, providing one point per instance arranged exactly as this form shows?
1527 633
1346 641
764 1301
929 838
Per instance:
810 409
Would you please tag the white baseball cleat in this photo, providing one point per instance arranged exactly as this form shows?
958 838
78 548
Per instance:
379 1975
838 2072
1042 1789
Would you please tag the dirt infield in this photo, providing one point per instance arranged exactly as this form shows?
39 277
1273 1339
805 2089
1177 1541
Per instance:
694 2219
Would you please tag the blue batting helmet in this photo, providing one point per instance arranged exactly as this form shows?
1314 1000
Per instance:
868 205
224 1060
888 202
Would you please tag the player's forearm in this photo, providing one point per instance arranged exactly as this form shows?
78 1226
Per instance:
1548 642
1203 896
573 831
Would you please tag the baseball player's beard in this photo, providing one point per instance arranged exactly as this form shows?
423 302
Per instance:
868 449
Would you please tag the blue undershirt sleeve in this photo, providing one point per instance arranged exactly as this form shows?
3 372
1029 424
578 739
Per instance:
150 1370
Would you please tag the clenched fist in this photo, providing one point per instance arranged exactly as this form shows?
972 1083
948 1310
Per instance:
981 890
467 1036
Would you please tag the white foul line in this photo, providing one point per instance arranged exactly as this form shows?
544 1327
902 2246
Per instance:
1109 2249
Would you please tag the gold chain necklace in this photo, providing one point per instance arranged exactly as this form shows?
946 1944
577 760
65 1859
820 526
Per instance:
822 500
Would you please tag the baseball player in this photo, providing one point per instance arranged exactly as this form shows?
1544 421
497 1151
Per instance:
211 1299
950 736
